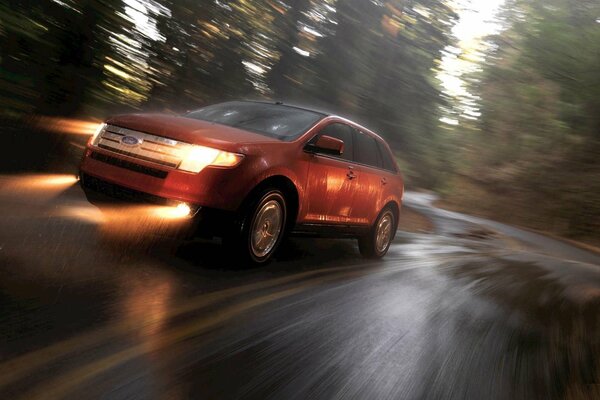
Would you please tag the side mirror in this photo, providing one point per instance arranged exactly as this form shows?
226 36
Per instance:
327 145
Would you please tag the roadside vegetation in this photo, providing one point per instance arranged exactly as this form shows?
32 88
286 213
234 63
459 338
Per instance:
533 157
526 150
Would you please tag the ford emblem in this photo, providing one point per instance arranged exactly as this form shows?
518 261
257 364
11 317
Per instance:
130 140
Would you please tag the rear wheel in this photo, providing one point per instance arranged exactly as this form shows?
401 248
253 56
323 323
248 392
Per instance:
261 229
376 243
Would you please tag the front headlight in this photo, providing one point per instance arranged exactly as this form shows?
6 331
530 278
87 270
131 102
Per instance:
96 136
199 157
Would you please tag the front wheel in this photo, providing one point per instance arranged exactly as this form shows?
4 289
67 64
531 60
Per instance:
376 243
262 228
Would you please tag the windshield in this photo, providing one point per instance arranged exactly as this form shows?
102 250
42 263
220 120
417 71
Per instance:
273 120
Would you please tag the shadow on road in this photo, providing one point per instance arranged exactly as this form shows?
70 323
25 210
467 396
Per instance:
294 253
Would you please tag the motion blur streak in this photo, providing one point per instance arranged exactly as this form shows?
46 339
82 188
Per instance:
120 221
135 222
42 182
16 368
83 213
132 217
62 385
67 125
459 315
43 186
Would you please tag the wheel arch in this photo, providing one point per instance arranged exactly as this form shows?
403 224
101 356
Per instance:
393 205
286 186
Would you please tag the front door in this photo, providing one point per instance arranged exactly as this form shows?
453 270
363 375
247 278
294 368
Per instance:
331 180
371 182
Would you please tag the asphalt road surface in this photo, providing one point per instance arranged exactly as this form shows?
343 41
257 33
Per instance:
94 304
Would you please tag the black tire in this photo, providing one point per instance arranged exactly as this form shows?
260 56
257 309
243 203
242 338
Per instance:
368 244
243 240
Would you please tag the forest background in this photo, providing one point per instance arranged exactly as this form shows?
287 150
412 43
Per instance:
516 139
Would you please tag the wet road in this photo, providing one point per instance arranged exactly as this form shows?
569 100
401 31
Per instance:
95 305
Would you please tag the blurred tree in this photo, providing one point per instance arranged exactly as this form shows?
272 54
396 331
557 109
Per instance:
372 60
537 143
200 60
54 50
297 48
21 36
80 34
535 146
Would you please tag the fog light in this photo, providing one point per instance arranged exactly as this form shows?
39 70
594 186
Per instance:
182 210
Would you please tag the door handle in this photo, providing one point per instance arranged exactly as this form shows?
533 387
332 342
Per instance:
383 181
351 175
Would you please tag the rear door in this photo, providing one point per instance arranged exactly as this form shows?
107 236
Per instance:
331 185
371 179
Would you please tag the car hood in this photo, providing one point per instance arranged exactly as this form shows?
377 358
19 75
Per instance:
191 130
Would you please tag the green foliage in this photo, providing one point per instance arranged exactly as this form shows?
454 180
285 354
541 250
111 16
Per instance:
537 144
376 66
534 151
371 60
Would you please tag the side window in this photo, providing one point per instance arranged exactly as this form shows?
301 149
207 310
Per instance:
386 157
366 150
342 132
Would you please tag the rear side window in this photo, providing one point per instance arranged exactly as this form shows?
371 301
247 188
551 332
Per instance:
366 151
342 132
386 158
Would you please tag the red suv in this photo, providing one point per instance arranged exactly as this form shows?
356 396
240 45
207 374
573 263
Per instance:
252 172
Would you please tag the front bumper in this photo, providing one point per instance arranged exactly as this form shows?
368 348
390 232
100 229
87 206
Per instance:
202 221
212 188
101 189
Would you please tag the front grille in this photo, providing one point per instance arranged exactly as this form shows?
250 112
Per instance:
117 162
152 148
121 192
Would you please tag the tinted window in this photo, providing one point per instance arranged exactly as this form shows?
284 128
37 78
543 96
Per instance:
386 158
273 120
342 132
366 151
